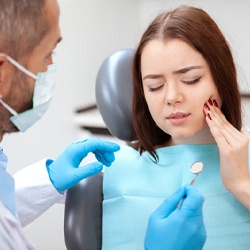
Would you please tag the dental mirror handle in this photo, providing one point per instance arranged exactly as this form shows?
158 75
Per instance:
192 183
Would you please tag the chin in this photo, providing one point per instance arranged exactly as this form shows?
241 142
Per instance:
185 138
182 136
10 129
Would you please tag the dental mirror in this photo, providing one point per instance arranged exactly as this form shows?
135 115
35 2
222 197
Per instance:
196 168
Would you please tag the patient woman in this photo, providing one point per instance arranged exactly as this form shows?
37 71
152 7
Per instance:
186 108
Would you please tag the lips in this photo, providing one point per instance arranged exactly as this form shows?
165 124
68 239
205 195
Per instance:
178 118
177 115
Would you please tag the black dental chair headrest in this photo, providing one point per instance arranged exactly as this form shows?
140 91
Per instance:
114 93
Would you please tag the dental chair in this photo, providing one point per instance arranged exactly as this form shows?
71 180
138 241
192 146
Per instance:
83 208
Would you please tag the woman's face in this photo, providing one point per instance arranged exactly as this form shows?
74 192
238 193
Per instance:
177 83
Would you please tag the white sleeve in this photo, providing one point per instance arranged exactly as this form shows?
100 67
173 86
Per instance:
34 192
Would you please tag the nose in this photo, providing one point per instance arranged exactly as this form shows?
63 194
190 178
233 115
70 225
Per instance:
173 95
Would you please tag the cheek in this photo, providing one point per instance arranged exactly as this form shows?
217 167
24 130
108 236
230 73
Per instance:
213 94
153 105
218 99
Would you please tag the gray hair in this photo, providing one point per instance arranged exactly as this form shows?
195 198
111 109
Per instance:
22 26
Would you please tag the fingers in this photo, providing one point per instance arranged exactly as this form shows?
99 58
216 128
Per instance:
246 133
105 157
87 171
192 204
103 150
224 133
93 144
233 147
170 203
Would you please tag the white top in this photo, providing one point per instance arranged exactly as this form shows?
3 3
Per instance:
34 195
11 235
34 192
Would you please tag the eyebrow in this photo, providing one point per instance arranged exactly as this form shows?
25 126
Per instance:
152 76
176 72
185 70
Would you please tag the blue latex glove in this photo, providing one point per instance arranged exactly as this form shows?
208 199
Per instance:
65 172
175 228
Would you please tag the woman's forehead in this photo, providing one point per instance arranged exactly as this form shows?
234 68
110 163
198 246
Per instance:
174 55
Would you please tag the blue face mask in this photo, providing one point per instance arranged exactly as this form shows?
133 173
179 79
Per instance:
42 96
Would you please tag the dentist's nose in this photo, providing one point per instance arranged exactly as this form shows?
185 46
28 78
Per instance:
173 94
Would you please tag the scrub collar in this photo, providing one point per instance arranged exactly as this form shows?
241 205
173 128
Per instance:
3 159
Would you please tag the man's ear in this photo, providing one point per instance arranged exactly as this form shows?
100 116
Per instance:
2 60
6 72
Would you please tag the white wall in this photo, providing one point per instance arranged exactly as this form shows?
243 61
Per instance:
91 30
231 16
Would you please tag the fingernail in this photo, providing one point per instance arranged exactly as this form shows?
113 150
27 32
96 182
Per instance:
206 107
209 116
210 102
215 103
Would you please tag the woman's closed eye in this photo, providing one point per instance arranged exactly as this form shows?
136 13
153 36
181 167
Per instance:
191 81
152 89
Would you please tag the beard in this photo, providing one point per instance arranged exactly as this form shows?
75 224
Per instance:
19 99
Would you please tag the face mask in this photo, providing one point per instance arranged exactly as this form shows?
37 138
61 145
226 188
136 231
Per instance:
42 96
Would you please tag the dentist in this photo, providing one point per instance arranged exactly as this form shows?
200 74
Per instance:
29 33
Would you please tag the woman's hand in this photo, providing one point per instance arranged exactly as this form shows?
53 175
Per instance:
233 147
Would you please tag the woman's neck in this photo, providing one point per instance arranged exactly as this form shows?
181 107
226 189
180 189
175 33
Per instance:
203 137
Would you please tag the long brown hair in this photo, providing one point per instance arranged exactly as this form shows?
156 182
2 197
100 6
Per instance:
195 27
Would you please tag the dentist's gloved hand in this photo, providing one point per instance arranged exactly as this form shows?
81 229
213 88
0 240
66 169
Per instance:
65 171
172 228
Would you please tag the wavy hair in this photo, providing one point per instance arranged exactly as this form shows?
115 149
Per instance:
195 27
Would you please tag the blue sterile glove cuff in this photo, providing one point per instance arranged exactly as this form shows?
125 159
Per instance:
175 228
65 171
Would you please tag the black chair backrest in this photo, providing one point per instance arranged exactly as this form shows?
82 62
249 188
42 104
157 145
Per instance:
83 215
83 208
